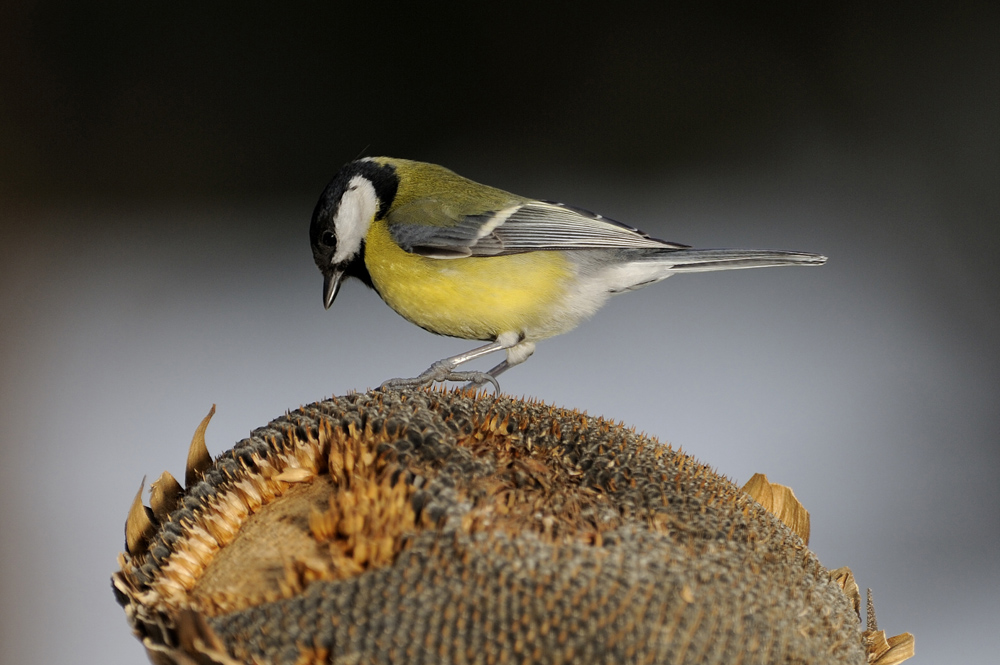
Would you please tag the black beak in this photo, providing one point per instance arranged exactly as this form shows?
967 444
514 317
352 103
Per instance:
331 284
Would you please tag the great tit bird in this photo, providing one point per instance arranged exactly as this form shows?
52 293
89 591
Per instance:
462 259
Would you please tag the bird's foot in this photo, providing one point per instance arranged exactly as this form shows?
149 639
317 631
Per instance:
440 372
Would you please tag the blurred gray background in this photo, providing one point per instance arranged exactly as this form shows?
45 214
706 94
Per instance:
158 167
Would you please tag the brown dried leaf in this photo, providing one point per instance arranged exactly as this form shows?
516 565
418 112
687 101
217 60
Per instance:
164 493
198 458
139 526
845 580
901 647
780 501
883 651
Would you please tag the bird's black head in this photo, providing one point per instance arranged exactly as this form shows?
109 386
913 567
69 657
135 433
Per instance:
361 192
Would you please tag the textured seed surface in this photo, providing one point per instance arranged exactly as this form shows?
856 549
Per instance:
431 527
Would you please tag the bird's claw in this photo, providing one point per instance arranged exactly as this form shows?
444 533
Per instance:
439 373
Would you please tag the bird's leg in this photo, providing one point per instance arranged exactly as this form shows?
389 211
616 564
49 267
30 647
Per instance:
444 370
516 355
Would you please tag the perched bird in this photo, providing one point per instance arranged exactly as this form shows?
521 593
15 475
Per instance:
466 260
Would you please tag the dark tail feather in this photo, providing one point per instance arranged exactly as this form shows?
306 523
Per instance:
701 260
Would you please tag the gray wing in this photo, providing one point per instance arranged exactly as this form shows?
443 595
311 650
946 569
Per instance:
523 227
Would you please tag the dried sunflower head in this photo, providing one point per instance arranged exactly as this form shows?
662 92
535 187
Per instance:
428 526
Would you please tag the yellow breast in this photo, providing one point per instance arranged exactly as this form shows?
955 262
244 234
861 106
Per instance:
471 298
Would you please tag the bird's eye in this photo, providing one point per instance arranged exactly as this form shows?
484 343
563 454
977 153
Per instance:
328 239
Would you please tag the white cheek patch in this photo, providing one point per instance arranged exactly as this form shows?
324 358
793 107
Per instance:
355 214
